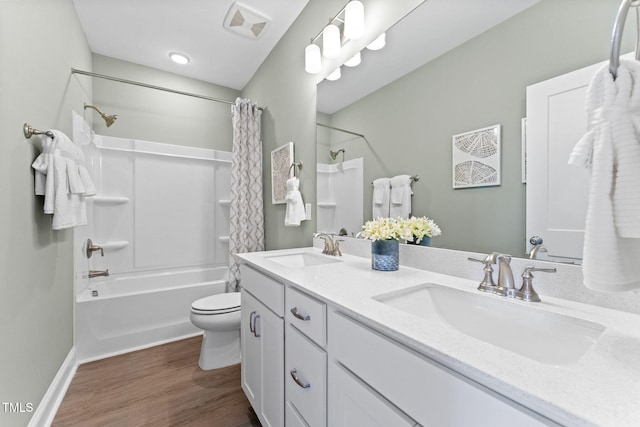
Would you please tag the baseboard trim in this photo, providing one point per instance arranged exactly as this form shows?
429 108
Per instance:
46 410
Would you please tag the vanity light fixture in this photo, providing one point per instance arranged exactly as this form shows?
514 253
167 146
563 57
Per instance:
354 61
335 75
348 22
378 43
179 58
331 41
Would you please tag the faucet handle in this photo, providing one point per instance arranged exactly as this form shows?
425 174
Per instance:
336 247
487 284
526 292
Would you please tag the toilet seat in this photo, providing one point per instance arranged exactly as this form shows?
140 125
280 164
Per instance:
217 304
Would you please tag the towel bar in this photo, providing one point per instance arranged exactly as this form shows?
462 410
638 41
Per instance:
30 131
297 166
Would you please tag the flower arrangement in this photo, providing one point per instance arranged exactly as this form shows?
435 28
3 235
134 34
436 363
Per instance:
422 227
396 229
386 229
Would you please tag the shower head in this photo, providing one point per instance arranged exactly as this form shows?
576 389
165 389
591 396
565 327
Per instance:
334 154
108 119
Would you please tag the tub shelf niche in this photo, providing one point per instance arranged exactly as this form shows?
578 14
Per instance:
110 200
113 245
224 202
224 239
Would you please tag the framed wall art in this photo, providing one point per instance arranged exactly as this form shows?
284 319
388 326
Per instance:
476 158
281 160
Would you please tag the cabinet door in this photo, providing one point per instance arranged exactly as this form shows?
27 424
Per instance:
353 403
263 360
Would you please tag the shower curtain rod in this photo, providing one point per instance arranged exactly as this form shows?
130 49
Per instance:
131 82
341 130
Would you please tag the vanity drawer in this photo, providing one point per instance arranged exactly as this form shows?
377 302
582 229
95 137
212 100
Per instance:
307 363
307 314
267 290
425 390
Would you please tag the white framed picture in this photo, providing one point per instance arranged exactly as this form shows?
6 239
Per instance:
281 171
476 158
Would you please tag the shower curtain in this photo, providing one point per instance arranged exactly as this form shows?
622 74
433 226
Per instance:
246 232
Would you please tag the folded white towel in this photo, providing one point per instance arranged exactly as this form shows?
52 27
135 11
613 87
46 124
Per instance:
295 212
63 180
611 149
400 196
381 194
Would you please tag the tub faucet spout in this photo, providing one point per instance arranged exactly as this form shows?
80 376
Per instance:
98 273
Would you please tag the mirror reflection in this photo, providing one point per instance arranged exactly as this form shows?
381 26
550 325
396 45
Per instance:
475 77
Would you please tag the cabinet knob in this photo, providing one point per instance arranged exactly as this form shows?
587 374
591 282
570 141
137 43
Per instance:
297 315
294 375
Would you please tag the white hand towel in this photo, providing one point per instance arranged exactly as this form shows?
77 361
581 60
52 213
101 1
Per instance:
63 180
381 192
611 149
400 196
295 212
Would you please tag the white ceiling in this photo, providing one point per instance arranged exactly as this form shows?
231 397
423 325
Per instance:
145 31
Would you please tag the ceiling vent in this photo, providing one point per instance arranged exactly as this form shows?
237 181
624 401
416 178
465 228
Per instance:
245 21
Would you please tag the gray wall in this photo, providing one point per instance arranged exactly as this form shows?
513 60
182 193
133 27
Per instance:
409 124
153 115
289 95
40 41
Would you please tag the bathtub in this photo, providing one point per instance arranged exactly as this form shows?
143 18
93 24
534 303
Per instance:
137 311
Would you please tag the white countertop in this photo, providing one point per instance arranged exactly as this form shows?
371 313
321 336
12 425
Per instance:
601 388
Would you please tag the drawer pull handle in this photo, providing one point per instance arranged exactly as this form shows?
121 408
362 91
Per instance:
294 375
255 328
297 315
253 331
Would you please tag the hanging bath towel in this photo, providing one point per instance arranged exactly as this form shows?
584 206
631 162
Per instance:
381 193
401 192
611 150
295 212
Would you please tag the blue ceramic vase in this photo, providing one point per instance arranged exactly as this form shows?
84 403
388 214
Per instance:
385 255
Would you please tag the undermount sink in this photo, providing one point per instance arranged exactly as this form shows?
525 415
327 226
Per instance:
302 259
549 338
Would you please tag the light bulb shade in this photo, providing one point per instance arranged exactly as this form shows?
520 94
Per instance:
179 58
335 75
312 59
378 43
354 20
331 41
354 61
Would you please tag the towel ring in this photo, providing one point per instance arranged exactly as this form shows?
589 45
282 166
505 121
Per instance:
297 166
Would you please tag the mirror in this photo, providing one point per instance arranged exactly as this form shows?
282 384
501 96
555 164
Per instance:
470 71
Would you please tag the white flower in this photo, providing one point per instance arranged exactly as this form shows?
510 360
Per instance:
386 228
422 227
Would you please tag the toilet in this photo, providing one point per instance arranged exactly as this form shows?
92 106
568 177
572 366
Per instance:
219 316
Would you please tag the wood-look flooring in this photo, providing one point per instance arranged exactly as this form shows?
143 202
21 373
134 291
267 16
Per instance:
158 386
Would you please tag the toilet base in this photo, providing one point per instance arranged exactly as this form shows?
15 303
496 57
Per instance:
219 349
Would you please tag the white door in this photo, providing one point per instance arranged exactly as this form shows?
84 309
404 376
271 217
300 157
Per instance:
557 192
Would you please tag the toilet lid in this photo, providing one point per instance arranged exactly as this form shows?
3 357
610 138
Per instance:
217 304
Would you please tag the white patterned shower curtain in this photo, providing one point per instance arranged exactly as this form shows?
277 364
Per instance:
246 232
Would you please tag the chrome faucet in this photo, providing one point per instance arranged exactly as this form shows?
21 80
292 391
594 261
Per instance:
506 283
330 247
533 254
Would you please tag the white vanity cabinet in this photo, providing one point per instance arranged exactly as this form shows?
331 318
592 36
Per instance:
400 381
262 340
305 360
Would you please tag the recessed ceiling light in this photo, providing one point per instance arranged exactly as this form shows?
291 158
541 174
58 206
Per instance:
179 58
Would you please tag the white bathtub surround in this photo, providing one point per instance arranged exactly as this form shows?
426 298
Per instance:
340 194
161 215
606 376
247 214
